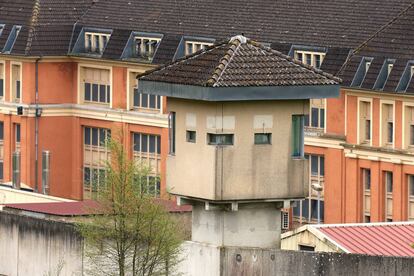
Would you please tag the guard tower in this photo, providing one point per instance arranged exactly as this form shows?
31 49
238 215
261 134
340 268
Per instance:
236 137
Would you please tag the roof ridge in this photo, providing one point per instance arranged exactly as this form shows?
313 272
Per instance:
34 18
224 62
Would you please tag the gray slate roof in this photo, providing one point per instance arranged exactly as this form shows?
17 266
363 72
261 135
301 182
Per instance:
239 62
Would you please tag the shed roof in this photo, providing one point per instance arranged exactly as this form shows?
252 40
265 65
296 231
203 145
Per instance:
80 208
388 238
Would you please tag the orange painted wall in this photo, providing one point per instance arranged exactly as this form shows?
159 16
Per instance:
63 135
335 115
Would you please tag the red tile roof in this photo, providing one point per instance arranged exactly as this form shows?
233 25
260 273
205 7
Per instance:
388 239
80 208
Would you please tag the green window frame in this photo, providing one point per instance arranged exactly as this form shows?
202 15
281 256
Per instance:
298 136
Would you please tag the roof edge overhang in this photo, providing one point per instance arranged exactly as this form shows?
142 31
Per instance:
244 93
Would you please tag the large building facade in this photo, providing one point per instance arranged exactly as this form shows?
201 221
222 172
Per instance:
72 69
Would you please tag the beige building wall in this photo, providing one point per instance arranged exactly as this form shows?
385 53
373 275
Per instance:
307 238
243 170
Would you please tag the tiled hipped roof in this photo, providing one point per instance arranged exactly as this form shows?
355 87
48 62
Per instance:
239 62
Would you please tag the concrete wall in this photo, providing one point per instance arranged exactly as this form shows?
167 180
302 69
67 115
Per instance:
31 246
202 260
251 225
243 170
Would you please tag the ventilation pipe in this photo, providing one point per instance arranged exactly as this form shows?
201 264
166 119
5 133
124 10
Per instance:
45 171
16 170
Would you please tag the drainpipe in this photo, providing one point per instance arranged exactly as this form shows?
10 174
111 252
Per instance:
37 115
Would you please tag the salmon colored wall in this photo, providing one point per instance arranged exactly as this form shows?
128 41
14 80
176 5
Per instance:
62 135
351 135
119 90
335 119
55 82
398 124
375 122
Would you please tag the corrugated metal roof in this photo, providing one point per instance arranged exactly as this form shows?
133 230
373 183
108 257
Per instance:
388 239
80 208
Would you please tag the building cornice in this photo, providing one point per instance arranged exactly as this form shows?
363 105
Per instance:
89 112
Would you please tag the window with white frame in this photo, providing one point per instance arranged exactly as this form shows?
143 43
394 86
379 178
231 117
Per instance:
95 85
311 58
95 155
16 83
2 78
307 210
366 189
147 153
409 127
410 197
388 185
364 122
96 42
194 46
145 47
316 117
387 125
141 101
1 151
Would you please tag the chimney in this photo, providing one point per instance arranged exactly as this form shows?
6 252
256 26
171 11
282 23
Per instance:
45 171
16 170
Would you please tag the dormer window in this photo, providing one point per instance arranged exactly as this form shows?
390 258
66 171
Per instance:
311 58
367 65
145 47
384 74
389 68
361 72
406 77
95 42
194 46
11 39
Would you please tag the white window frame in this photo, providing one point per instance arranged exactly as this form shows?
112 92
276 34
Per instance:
360 101
366 193
410 216
382 103
20 64
312 54
324 106
130 96
157 41
405 129
81 92
3 63
195 44
93 164
387 195
93 45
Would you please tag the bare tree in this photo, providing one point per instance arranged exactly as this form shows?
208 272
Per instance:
130 233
